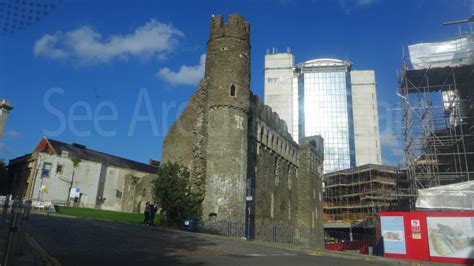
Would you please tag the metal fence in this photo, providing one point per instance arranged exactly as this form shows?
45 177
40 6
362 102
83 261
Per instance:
15 214
288 235
333 240
222 228
270 233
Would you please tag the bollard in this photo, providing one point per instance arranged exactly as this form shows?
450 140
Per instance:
26 217
274 234
13 236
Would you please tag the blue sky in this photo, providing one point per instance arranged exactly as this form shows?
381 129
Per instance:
90 71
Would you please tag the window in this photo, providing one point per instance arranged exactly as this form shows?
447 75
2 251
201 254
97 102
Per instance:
46 170
232 90
118 194
59 169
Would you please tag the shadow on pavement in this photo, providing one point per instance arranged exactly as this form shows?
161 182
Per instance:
89 242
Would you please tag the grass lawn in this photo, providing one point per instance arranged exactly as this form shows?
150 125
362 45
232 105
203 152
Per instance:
105 215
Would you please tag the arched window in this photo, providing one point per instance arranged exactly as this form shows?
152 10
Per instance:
232 90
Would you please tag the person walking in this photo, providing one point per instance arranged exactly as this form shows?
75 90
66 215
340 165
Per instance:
154 209
147 213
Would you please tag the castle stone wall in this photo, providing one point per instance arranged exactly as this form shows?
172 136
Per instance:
310 212
186 141
235 145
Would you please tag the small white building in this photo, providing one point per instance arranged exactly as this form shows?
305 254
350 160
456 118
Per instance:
98 180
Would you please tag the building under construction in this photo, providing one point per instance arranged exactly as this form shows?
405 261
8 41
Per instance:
437 91
353 197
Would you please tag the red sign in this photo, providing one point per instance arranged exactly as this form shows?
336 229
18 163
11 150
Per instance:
435 236
415 229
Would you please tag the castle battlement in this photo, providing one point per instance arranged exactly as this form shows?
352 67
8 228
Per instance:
271 118
316 144
236 26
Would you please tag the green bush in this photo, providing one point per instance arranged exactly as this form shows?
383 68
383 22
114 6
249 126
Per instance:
171 189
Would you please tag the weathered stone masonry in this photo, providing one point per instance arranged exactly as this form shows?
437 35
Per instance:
226 135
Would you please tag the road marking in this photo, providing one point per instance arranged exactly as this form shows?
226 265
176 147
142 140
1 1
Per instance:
47 259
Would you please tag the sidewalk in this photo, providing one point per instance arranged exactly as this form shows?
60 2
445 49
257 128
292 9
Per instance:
30 254
318 252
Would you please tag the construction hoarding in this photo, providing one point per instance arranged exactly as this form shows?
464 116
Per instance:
430 236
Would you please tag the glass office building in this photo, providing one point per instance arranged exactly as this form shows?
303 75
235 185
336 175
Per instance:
328 98
325 108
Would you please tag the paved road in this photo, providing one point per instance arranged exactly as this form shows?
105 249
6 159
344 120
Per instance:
85 242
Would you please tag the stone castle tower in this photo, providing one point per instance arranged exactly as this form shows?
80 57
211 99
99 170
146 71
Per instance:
211 135
228 72
245 167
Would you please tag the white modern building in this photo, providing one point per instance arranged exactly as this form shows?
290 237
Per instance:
366 117
279 85
326 97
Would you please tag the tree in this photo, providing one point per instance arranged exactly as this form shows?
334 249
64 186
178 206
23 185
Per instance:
171 189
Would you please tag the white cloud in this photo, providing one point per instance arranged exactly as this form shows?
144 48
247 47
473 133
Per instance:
87 46
349 5
4 148
45 46
12 134
186 75
389 140
398 152
392 148
365 2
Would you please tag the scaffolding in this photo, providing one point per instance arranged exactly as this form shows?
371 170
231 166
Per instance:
437 113
356 195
